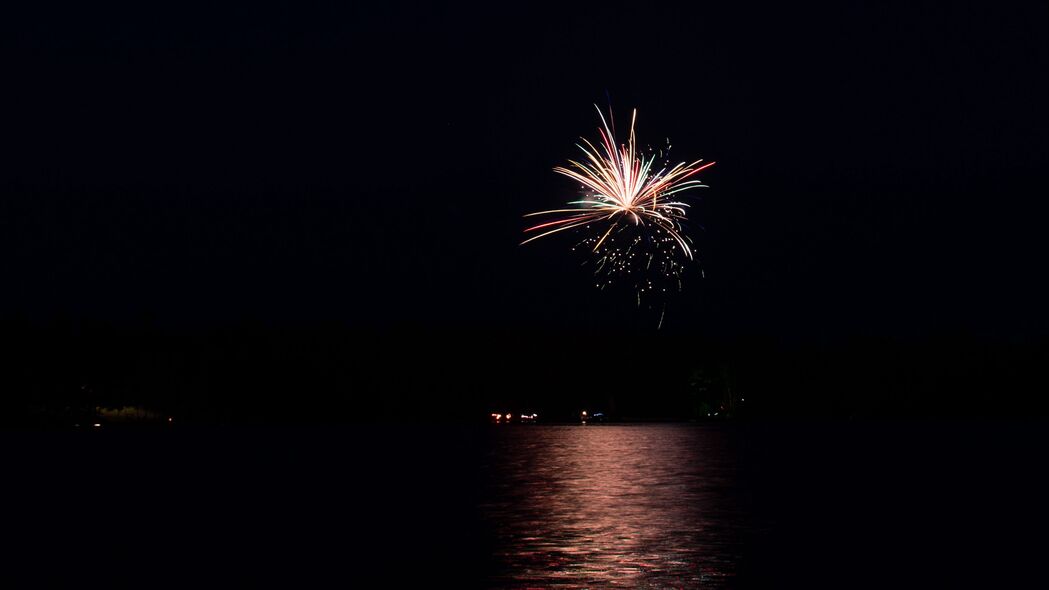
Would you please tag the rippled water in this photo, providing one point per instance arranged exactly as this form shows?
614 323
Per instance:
760 505
641 506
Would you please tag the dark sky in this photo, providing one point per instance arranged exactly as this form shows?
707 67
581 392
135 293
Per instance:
880 170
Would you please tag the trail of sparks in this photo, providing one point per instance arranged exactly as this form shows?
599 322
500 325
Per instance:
629 209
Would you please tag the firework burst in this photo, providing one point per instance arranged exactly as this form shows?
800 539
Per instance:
630 213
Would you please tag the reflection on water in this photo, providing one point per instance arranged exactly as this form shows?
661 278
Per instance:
641 506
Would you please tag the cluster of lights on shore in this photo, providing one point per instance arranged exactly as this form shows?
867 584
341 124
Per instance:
508 417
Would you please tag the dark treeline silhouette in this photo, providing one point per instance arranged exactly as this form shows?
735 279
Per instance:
254 373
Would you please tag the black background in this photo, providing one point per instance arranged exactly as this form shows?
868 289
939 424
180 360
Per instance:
251 212
251 208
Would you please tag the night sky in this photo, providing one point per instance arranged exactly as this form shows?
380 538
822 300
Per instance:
360 171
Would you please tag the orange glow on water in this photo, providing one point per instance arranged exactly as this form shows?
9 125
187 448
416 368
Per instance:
615 506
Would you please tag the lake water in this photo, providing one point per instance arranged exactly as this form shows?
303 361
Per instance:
646 506
833 505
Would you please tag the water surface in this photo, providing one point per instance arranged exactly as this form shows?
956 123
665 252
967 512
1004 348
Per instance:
612 506
758 505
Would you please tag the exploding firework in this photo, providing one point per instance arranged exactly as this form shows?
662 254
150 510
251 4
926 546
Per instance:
630 214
